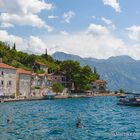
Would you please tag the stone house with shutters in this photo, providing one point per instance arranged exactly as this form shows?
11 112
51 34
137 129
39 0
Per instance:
7 80
57 78
23 83
99 86
40 80
40 66
34 80
39 84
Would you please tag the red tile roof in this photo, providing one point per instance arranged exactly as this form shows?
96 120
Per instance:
49 77
100 82
5 66
22 71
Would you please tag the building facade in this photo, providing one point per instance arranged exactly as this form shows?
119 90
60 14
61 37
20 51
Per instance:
41 66
23 83
60 79
7 80
99 86
40 80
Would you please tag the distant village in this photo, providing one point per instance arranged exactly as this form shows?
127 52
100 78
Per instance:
17 82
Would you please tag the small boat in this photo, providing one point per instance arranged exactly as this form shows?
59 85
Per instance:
121 96
132 101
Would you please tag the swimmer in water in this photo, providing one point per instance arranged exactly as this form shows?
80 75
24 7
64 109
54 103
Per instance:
78 123
9 121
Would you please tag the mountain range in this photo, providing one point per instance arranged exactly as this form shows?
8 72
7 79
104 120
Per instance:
121 72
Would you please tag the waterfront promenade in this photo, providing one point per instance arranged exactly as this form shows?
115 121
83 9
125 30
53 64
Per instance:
60 96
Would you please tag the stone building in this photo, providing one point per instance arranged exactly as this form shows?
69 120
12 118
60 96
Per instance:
34 80
99 86
40 84
43 80
49 80
39 80
60 79
7 80
41 66
23 83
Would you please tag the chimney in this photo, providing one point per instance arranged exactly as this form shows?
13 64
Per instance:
0 60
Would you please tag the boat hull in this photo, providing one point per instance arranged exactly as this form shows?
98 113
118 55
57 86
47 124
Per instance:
127 103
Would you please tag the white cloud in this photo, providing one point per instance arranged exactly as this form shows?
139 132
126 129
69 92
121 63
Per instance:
64 33
134 32
52 17
21 44
107 21
96 41
93 17
6 25
86 45
30 19
31 45
114 4
24 12
68 16
24 6
4 36
36 45
97 30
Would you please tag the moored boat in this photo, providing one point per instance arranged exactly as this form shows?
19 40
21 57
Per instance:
132 101
121 96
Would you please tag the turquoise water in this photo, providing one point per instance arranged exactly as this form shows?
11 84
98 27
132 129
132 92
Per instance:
101 118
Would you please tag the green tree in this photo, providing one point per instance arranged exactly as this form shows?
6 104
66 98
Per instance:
71 70
84 77
87 87
95 70
121 90
14 47
46 54
57 87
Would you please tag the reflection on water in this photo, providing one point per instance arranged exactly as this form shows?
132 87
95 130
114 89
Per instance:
55 120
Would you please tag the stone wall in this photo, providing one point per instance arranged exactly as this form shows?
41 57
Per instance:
7 81
24 84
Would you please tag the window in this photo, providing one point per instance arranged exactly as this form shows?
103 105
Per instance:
2 73
63 78
9 83
2 83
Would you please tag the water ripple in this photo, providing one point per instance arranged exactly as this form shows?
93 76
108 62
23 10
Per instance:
101 118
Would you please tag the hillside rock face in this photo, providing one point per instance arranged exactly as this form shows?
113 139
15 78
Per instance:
120 71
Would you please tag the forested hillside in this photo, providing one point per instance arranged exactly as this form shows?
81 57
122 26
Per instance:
80 76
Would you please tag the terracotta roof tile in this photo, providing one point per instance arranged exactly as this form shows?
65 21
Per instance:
5 66
22 71
100 81
49 77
